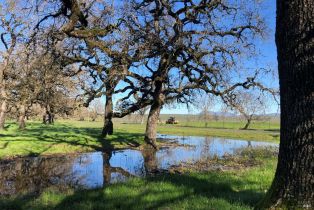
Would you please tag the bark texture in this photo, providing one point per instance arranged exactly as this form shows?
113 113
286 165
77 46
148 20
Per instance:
151 127
108 125
293 186
153 116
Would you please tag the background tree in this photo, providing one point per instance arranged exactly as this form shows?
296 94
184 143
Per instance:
11 30
249 104
293 186
57 91
96 108
142 112
98 43
22 88
205 103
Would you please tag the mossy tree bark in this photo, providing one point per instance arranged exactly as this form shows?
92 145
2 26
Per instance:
293 186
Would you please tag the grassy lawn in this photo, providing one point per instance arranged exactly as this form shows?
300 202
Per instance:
62 137
256 134
255 125
240 189
77 136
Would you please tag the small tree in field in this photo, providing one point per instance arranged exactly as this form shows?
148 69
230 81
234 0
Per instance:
204 103
249 104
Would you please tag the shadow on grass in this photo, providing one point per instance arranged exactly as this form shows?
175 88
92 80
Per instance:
273 130
61 134
153 193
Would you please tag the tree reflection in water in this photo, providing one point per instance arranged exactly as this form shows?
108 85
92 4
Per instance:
150 160
31 175
109 170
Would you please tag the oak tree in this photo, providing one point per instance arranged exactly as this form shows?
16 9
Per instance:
293 185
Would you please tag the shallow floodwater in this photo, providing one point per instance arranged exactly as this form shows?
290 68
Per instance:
96 169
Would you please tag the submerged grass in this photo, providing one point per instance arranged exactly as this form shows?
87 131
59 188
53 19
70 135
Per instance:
77 136
237 189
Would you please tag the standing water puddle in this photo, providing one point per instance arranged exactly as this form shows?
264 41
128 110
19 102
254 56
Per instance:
96 169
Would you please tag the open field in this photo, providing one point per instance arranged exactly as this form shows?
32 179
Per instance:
235 189
196 121
80 136
192 189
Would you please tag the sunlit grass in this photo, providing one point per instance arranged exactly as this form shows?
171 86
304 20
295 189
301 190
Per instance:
258 134
70 136
255 125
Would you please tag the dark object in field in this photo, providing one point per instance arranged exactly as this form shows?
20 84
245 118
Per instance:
48 118
172 120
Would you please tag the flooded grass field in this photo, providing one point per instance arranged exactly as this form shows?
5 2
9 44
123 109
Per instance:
96 169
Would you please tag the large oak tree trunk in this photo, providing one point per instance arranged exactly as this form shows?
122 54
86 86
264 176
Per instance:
151 126
153 116
293 186
108 125
22 113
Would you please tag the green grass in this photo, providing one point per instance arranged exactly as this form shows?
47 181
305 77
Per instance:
206 190
256 134
77 136
255 125
62 137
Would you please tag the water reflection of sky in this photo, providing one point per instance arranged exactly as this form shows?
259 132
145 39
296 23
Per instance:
88 170
94 170
201 147
89 167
